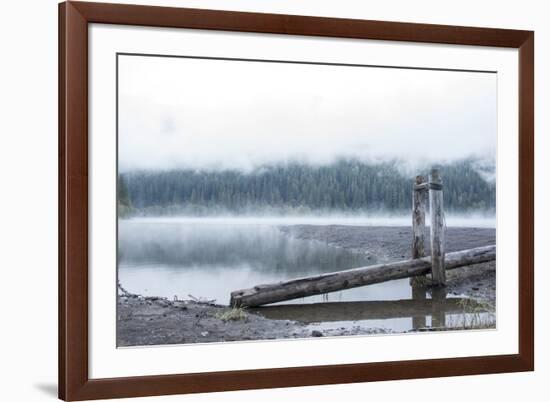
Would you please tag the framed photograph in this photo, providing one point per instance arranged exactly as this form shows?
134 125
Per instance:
261 200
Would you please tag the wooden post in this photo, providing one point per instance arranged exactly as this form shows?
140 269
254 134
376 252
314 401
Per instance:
418 283
419 195
437 228
418 218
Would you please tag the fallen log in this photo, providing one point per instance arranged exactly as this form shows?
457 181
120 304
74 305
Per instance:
351 278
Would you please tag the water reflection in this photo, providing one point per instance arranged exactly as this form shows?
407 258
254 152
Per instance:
438 312
262 247
167 258
361 310
428 308
418 293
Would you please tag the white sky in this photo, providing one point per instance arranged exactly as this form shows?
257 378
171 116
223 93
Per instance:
212 114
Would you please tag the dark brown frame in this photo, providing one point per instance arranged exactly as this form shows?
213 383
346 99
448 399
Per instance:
74 17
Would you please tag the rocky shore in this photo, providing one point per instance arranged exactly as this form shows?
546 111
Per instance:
158 321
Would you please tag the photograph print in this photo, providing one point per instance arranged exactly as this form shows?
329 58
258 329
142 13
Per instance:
265 200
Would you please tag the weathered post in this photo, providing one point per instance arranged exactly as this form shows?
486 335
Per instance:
419 229
418 217
437 228
419 195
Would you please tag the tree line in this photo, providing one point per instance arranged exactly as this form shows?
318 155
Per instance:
347 185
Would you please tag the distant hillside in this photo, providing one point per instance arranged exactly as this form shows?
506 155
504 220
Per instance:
345 186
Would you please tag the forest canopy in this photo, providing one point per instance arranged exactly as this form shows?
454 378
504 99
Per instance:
347 186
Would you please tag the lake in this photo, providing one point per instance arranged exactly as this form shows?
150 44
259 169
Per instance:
208 258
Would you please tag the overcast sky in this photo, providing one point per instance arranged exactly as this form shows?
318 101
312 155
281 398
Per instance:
211 114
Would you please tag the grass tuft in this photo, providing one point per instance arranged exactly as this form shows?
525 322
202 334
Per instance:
235 314
475 315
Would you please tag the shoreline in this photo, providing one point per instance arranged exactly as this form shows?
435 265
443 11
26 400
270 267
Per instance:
471 221
154 320
146 321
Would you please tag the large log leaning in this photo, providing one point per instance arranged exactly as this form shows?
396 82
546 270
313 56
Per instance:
351 278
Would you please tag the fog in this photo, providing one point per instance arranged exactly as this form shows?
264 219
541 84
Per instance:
181 256
214 114
222 243
192 221
468 220
166 258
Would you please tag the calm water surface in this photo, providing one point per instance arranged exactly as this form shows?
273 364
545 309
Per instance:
209 258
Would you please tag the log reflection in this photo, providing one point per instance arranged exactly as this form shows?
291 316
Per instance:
418 293
438 312
417 308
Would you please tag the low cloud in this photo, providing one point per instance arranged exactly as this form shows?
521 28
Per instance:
208 114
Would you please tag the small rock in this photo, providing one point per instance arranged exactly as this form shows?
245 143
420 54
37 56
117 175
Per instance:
316 333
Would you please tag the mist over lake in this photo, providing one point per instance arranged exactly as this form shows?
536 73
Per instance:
185 255
236 177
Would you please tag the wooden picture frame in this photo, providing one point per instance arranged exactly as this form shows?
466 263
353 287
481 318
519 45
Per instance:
74 381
